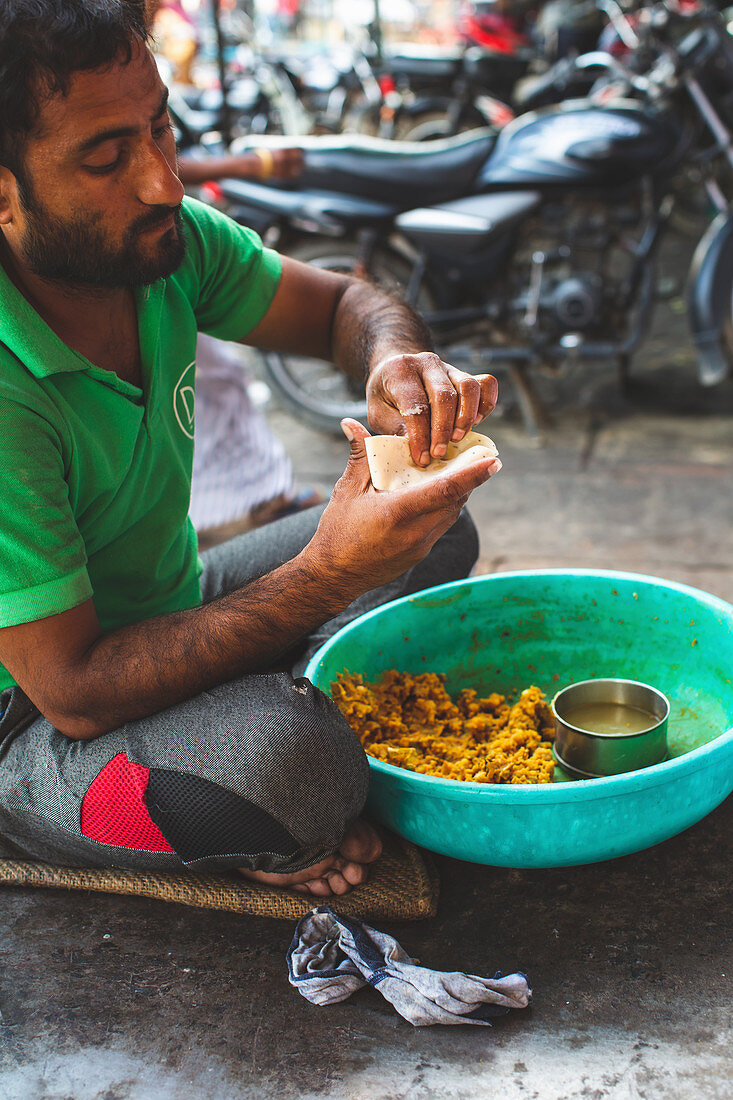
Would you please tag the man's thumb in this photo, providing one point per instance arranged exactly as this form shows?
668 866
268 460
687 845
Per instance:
356 433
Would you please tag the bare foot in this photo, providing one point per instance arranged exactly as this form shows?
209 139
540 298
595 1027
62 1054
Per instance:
335 875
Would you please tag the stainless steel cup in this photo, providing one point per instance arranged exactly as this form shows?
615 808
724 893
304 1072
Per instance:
590 755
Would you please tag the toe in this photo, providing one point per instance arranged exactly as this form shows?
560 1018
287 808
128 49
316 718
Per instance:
355 873
361 843
338 884
295 878
320 888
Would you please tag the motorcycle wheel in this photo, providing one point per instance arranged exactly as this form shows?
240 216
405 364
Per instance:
433 125
367 120
728 337
319 393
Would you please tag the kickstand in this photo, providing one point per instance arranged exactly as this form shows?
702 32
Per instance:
534 414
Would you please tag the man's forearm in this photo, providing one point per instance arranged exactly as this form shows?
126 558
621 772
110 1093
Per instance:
370 325
145 667
195 170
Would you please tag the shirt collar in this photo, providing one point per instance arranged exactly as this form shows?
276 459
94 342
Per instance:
35 344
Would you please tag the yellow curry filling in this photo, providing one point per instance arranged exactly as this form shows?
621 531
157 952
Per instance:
412 722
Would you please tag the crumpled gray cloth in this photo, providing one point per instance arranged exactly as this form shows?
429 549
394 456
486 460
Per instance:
332 956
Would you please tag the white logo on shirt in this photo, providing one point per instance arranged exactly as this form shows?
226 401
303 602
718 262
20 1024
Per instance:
184 404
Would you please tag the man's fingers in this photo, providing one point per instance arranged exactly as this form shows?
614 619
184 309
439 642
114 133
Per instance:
461 483
444 400
468 389
489 395
430 401
451 489
477 395
413 405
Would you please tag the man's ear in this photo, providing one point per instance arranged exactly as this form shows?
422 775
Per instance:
8 195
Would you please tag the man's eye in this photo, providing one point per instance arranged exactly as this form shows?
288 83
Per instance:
103 169
161 131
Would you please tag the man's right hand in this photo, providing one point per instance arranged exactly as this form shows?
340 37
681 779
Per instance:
366 538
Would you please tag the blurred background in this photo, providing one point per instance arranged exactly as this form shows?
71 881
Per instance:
550 184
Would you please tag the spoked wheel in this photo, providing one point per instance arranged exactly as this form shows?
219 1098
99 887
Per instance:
316 392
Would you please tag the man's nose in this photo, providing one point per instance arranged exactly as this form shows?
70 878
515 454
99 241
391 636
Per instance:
157 182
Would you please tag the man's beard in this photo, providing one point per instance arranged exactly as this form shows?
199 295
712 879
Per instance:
78 253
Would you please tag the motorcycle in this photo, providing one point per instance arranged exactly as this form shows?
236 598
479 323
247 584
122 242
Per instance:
432 94
427 93
534 247
523 74
448 92
259 99
328 83
573 72
496 25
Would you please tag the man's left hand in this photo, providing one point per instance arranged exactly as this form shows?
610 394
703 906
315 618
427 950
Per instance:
432 403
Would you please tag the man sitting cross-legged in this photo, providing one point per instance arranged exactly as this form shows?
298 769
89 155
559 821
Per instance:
144 724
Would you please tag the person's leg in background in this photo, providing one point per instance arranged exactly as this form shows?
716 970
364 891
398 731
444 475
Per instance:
242 476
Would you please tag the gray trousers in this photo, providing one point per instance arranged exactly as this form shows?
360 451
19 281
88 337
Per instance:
261 772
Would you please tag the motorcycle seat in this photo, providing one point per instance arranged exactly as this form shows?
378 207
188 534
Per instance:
400 173
426 64
486 67
327 209
466 225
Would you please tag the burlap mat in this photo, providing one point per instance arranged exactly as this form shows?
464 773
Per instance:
403 885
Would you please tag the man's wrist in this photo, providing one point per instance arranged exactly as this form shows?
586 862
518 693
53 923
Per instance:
266 162
372 325
381 360
329 590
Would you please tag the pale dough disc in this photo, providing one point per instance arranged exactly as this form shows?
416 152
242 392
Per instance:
391 466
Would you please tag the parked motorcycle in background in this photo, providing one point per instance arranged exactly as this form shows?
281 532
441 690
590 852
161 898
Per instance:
515 58
407 92
536 247
428 94
594 30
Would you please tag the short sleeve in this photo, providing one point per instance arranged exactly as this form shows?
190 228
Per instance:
238 276
42 556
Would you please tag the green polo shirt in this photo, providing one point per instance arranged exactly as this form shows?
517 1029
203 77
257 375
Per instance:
95 474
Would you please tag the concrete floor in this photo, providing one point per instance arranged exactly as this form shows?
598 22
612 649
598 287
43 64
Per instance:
125 999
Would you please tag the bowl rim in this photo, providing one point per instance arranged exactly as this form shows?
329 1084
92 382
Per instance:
571 790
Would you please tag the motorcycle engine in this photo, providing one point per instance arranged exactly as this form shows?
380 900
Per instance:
571 270
576 301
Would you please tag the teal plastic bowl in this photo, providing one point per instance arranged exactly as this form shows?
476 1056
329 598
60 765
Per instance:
550 628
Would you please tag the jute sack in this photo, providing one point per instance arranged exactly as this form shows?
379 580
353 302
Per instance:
403 885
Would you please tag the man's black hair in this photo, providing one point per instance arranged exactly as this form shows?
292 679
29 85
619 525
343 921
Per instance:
43 43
